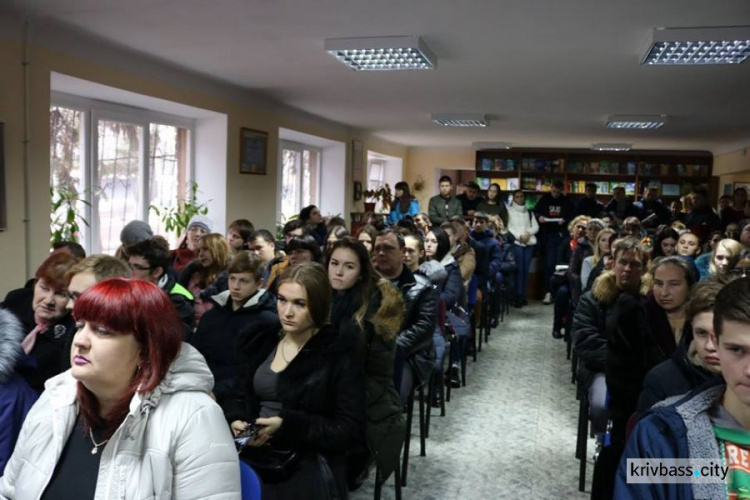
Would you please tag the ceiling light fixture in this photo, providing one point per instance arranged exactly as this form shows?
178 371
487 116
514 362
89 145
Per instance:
698 46
461 120
480 146
611 147
636 122
388 53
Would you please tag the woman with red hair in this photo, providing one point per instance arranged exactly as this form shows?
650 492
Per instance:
133 417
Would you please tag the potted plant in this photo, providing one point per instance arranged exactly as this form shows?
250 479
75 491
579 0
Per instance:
176 218
65 219
382 194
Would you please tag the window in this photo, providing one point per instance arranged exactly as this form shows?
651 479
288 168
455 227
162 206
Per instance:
300 177
120 160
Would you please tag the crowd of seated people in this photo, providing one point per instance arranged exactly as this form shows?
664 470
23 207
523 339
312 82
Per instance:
647 337
307 347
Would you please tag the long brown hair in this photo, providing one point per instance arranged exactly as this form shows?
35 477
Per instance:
405 199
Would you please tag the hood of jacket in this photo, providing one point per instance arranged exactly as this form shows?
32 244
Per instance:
605 287
262 300
518 208
434 271
11 334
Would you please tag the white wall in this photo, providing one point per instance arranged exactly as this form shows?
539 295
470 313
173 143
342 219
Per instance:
333 180
210 167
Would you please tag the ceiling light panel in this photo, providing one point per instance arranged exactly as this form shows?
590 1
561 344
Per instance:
698 46
480 146
611 147
459 120
636 122
390 53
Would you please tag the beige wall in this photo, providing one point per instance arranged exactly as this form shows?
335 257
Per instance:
249 196
427 162
731 163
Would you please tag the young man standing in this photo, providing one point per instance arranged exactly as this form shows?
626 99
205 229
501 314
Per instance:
588 204
444 206
553 210
710 423
470 200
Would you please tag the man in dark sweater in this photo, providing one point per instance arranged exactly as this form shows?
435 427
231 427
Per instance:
703 220
589 205
553 210
620 207
444 206
651 208
470 199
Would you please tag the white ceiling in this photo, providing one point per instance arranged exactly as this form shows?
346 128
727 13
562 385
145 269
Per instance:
548 72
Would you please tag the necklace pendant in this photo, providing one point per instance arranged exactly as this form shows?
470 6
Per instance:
94 450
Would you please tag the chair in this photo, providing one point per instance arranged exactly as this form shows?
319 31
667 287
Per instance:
472 295
249 482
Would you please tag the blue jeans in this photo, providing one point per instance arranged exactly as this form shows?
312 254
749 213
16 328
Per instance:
552 241
439 342
523 263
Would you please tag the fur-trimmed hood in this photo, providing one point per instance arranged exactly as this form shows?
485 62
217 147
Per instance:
605 287
389 316
11 334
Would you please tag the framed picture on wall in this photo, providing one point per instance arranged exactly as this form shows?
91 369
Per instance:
3 194
253 151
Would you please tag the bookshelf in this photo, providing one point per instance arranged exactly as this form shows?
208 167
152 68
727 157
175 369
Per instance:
673 173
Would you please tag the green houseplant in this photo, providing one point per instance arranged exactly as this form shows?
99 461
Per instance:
65 221
176 218
382 194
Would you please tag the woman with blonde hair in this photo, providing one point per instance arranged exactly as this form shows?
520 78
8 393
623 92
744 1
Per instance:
602 247
721 255
207 275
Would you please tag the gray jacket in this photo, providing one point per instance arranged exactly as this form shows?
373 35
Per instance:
437 209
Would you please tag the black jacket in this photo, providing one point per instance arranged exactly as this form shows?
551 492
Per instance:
630 210
222 331
183 304
220 283
702 222
657 208
589 206
583 250
322 392
675 376
415 337
489 256
51 353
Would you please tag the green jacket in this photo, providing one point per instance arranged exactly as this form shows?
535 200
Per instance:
438 212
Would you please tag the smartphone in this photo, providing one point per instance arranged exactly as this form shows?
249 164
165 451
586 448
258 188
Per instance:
247 436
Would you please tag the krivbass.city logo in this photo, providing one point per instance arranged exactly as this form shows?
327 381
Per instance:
675 470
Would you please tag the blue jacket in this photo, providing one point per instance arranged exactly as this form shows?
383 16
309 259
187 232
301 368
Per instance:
489 256
16 395
680 428
702 263
396 213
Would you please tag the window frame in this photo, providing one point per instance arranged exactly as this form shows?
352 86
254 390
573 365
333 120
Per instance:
93 111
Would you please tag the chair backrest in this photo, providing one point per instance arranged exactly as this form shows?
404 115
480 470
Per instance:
472 291
250 482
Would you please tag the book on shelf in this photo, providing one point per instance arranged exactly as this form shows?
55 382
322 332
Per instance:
575 167
670 189
484 182
664 169
513 183
630 168
486 164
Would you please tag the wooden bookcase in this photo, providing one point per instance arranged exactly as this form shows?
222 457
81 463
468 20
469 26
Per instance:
674 173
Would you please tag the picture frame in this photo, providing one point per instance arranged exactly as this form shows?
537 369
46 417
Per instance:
253 151
357 190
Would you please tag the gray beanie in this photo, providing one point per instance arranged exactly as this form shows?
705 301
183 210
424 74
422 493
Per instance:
202 222
134 232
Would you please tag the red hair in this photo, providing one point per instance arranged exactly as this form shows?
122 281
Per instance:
139 308
55 268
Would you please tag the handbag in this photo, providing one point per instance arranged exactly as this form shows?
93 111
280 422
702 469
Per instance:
459 321
272 465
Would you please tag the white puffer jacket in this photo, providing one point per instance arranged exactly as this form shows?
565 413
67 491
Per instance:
174 443
520 221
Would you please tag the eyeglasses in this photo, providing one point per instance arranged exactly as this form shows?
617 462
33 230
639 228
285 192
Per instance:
138 267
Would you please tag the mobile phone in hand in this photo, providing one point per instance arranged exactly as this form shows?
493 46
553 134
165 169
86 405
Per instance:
247 436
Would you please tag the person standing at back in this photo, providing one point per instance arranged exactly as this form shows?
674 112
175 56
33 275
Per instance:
553 210
443 206
588 204
470 199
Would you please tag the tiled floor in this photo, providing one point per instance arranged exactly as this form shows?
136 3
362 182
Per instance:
510 433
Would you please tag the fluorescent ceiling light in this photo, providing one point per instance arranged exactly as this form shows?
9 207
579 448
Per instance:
388 53
698 46
491 145
611 147
461 120
636 122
